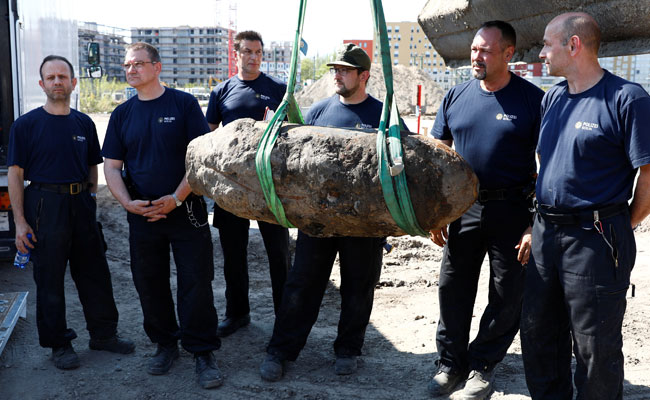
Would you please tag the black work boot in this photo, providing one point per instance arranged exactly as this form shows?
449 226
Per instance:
114 344
444 383
479 384
207 372
231 324
345 365
272 368
65 357
162 361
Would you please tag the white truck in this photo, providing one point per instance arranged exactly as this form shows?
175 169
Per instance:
31 30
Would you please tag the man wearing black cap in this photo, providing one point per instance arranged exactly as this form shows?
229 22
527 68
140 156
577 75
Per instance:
360 258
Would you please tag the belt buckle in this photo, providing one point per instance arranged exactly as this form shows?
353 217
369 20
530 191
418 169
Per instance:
75 188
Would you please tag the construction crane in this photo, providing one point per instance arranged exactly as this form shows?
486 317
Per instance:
231 23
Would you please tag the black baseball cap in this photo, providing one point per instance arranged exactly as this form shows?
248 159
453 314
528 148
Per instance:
351 55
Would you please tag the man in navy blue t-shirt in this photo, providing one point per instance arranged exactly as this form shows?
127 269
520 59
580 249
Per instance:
147 137
249 94
593 140
360 257
493 121
57 150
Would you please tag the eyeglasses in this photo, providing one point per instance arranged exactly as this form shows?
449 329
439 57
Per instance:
341 71
138 65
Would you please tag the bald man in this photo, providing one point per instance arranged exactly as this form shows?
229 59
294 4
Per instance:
593 140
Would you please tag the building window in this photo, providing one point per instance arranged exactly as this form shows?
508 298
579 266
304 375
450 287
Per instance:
397 29
397 45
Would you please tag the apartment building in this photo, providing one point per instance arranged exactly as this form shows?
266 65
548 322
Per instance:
364 44
277 60
409 46
189 55
633 68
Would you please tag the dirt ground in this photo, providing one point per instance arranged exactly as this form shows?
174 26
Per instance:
398 353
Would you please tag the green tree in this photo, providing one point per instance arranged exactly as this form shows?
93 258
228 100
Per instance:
97 95
308 64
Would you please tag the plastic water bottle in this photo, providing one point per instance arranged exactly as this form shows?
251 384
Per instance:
21 258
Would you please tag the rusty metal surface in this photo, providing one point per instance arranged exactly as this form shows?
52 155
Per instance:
450 25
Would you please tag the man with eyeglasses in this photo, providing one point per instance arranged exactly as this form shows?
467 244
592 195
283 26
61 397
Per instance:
360 257
56 148
147 138
249 94
494 122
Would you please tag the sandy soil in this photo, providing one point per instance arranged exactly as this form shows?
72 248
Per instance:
398 353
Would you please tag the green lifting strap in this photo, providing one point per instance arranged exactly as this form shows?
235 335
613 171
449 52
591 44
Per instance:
288 107
392 173
399 204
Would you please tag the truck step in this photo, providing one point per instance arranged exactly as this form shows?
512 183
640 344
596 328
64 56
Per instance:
12 306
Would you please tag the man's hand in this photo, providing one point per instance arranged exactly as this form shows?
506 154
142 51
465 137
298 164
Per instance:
165 205
440 236
524 246
146 208
22 243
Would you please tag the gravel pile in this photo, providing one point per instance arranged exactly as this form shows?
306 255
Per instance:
405 81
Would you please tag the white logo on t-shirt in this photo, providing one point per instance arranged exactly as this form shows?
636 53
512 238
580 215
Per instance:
586 126
506 117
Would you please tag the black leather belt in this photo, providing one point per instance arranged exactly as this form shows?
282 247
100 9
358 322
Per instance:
582 216
64 188
515 193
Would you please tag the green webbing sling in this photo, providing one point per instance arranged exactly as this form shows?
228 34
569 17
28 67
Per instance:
289 107
399 205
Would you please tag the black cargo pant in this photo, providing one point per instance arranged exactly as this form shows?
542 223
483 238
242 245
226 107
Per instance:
360 262
187 231
575 298
65 226
233 235
495 228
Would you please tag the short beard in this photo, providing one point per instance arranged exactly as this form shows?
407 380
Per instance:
343 91
480 75
347 92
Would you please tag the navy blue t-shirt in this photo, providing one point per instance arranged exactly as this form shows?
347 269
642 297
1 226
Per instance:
331 112
151 137
591 144
495 132
235 99
54 148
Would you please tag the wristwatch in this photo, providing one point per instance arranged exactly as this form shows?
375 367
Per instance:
178 202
